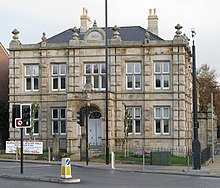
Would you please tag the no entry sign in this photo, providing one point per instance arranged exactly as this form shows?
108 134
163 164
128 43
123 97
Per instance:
19 123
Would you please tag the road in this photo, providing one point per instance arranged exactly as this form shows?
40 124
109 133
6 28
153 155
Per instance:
100 178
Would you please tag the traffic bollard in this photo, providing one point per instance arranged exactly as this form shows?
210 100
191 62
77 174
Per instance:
66 168
113 160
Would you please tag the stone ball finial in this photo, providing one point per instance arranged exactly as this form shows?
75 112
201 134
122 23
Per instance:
147 36
178 27
15 32
75 33
75 29
44 38
116 34
95 24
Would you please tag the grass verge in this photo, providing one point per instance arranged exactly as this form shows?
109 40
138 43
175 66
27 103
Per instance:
119 156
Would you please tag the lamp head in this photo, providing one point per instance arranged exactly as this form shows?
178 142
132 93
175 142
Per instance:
193 32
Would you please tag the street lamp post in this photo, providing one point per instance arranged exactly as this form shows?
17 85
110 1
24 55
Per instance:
87 89
196 148
213 138
106 75
87 152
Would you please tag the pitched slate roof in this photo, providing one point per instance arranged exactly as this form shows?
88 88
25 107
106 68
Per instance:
129 33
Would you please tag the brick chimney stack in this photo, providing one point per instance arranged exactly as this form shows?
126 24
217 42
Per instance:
85 21
152 22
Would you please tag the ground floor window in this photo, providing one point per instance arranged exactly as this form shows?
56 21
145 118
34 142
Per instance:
135 114
162 120
59 121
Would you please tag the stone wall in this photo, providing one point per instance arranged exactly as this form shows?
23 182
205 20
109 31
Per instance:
205 129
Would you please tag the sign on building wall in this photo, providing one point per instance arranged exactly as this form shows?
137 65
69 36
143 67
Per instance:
30 147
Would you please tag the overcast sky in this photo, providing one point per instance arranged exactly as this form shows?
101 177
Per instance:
33 17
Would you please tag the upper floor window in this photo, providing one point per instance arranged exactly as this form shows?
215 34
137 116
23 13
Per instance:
162 120
162 75
135 114
35 129
96 75
31 77
133 76
59 121
58 77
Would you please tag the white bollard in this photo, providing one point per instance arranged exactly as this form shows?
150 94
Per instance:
113 160
66 168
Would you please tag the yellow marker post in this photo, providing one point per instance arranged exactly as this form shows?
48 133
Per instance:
66 168
19 151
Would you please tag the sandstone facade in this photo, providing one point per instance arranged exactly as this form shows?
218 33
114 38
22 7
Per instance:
147 74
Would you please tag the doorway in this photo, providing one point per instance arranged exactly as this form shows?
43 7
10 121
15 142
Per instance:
95 129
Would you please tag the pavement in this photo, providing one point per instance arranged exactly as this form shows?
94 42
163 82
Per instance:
211 169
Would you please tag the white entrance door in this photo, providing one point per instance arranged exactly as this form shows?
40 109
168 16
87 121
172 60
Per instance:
94 132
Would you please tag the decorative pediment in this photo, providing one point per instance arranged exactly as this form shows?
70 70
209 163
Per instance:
95 34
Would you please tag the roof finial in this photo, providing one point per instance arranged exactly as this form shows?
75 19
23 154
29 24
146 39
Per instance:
44 38
178 32
95 24
116 34
15 32
147 36
75 33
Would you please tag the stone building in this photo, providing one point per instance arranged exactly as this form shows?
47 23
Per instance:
148 76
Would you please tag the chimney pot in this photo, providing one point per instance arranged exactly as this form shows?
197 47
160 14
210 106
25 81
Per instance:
85 21
153 22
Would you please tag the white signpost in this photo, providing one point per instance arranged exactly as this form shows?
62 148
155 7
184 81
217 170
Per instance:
30 147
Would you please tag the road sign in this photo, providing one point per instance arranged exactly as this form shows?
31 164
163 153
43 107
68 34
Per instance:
67 161
19 123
